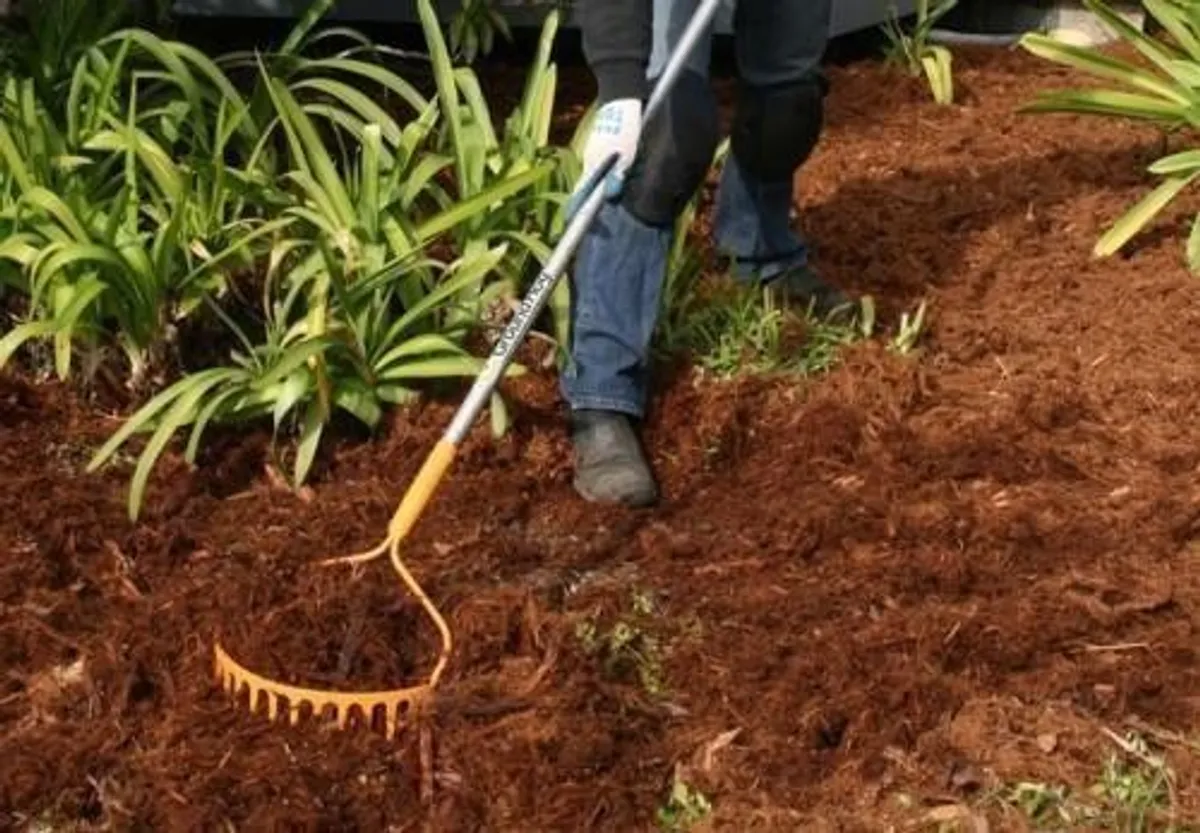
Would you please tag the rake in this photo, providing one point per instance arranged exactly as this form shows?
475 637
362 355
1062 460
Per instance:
395 707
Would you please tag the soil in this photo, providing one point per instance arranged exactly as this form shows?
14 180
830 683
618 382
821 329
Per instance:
915 576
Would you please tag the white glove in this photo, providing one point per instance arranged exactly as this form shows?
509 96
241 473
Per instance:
616 128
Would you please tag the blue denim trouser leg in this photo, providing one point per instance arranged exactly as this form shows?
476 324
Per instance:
618 281
619 272
621 263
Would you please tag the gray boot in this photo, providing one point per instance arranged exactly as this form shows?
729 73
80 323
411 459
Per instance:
609 464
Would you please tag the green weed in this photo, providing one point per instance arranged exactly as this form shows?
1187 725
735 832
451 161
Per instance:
909 331
684 809
1133 794
748 330
627 650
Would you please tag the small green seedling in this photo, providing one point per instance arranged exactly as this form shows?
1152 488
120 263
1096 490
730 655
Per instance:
910 332
627 650
685 808
1135 786
1048 806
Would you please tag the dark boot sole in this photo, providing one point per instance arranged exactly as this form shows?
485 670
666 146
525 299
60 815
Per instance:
632 503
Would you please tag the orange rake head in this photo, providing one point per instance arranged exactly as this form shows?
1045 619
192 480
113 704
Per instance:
392 707
389 710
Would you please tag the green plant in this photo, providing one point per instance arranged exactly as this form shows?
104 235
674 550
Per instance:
356 361
57 33
909 332
106 230
628 648
1136 785
1048 806
749 330
1164 92
913 51
527 143
481 157
474 27
684 809
135 200
346 232
1133 794
357 311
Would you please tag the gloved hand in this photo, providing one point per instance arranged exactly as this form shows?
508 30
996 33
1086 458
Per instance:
616 128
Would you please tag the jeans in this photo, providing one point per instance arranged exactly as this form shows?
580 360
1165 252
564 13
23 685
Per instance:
621 263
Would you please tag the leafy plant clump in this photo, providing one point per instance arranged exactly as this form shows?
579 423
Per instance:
347 233
1164 91
628 649
914 52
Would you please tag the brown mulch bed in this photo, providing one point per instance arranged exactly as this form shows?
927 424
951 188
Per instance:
907 570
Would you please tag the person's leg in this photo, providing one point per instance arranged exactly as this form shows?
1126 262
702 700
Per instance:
613 306
619 272
778 121
612 311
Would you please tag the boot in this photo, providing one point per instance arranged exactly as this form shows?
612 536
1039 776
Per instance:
609 464
804 285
